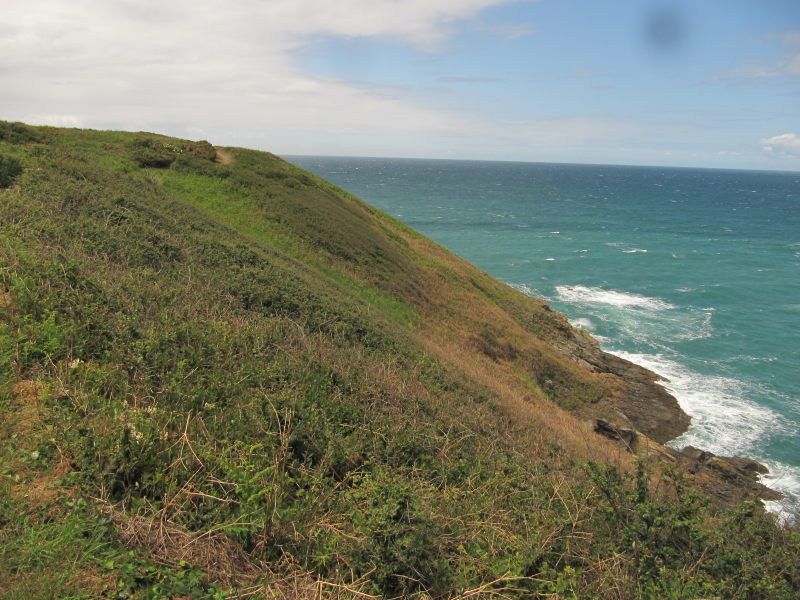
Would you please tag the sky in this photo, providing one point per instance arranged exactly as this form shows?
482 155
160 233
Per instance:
698 83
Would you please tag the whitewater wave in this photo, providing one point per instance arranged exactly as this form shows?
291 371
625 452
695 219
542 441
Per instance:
786 480
726 423
581 294
629 250
583 323
629 316
724 420
648 318
526 289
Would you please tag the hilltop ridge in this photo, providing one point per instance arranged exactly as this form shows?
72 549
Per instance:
224 375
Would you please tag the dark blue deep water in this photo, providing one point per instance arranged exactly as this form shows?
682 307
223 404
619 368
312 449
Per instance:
692 273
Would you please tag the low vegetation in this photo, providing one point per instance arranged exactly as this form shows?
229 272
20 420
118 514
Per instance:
238 381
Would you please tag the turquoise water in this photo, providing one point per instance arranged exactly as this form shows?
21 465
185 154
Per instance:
692 273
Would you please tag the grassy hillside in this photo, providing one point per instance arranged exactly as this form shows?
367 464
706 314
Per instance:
222 377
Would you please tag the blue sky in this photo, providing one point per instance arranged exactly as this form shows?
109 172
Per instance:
708 83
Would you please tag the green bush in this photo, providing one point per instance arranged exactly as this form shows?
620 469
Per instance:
141 578
399 542
201 149
18 133
10 168
681 549
151 154
191 163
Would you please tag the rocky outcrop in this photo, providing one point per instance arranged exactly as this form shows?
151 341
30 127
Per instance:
649 407
640 403
623 434
642 416
727 479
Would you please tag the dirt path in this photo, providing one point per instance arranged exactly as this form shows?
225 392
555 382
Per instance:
223 156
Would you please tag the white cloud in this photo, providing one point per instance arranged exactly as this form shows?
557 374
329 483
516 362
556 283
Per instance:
791 64
227 68
509 31
787 144
227 73
787 66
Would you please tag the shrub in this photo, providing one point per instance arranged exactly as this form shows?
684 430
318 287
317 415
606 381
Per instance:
18 133
192 163
656 532
201 149
10 168
399 537
151 154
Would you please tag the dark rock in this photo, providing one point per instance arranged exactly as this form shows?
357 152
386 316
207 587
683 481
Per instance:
651 409
748 465
695 453
627 436
726 479
693 458
647 406
724 467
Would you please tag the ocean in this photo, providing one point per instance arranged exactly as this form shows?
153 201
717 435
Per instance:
692 273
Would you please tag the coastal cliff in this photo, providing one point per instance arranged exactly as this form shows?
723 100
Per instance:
643 417
222 375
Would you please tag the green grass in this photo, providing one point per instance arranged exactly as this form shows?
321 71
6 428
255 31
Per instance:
220 380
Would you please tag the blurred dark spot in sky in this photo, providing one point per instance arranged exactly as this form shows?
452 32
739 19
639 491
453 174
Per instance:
665 28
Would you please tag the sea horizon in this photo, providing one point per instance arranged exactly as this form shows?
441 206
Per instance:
305 157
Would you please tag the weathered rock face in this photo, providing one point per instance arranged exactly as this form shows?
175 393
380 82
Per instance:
627 436
640 403
727 479
651 409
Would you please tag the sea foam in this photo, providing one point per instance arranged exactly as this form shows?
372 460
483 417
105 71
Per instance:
586 294
726 423
526 289
723 420
583 323
633 317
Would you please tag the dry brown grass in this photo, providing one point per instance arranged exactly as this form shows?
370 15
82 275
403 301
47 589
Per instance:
225 563
528 407
27 396
448 332
302 585
169 544
42 489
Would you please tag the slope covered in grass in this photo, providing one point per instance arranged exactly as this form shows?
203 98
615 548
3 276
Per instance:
236 380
